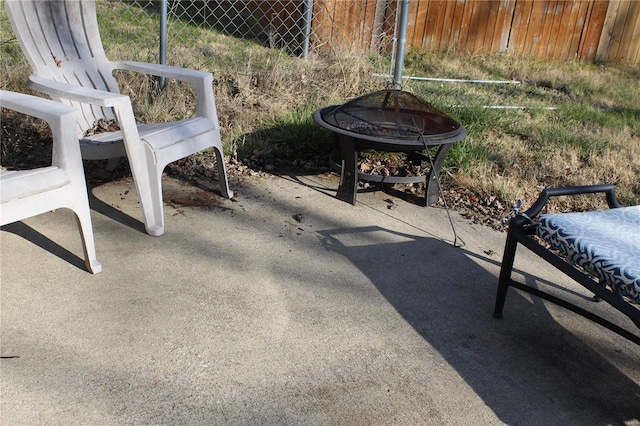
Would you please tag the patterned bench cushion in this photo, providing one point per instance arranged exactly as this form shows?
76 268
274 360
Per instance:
606 243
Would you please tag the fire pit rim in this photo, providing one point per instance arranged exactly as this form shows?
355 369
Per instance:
430 140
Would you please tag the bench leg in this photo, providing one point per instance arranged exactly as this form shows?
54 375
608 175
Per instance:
505 273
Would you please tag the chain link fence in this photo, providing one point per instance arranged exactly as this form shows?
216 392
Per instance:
299 27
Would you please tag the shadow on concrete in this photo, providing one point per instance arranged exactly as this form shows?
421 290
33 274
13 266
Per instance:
279 324
113 213
523 367
28 233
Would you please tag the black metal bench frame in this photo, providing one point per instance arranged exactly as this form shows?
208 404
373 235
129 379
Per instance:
521 231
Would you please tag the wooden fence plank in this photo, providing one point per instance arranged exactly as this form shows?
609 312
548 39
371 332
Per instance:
466 25
487 20
535 27
411 27
626 46
555 29
447 26
585 30
618 28
377 29
465 22
456 27
495 35
593 31
361 15
633 55
553 19
344 24
582 8
475 31
418 12
367 23
503 27
321 24
556 42
472 26
389 23
521 16
479 27
433 30
600 11
607 30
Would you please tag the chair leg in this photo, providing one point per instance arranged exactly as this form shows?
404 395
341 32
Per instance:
150 196
83 219
505 273
146 173
222 174
154 217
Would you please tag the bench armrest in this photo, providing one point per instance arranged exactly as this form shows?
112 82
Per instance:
543 198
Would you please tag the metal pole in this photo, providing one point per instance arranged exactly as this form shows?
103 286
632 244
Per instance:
163 37
453 80
308 15
402 40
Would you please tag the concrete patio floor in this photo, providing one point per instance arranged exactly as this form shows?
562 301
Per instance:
242 314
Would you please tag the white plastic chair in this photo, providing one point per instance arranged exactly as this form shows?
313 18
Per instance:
27 193
60 38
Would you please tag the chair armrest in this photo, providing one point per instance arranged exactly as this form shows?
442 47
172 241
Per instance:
34 106
184 74
608 189
58 90
121 105
201 81
62 120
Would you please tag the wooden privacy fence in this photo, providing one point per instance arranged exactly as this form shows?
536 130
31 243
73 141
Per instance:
587 30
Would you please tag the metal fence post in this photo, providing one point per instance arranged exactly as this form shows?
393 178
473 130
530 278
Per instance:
163 37
308 15
402 41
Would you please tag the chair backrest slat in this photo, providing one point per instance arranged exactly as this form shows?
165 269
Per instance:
61 41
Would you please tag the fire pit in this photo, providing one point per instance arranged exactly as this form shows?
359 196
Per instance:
390 121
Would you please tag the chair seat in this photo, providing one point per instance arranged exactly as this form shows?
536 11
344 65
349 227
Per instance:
24 183
606 243
159 136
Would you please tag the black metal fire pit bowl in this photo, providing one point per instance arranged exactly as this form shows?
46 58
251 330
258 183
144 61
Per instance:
390 121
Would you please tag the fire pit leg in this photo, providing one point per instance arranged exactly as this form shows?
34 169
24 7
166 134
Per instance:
431 191
348 187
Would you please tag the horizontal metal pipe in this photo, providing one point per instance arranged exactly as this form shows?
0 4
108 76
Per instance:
505 107
453 80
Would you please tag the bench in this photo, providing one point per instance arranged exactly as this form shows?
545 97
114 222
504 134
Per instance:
598 249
